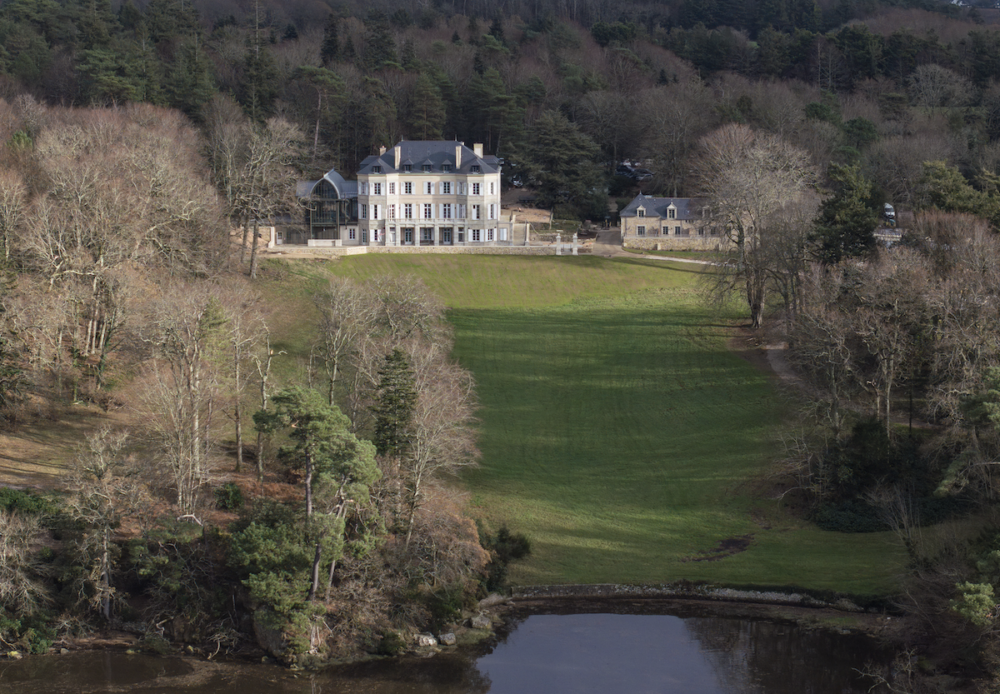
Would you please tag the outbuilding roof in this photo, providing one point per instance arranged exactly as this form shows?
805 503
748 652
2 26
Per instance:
685 208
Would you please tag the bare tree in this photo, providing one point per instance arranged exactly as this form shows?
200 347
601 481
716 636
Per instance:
186 333
254 167
246 333
347 317
747 178
443 438
107 489
19 533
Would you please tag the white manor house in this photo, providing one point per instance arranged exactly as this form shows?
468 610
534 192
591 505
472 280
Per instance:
418 193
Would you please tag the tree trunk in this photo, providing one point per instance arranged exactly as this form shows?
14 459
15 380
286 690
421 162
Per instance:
253 251
314 586
238 410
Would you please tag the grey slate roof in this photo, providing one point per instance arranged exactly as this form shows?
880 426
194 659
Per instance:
434 153
687 208
345 189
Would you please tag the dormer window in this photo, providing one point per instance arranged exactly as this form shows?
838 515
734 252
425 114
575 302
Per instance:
446 168
671 213
475 169
427 168
376 169
407 168
641 212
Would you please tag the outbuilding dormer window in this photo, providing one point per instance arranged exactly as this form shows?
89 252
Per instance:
641 212
671 213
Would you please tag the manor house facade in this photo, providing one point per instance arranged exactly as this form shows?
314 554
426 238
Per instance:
418 193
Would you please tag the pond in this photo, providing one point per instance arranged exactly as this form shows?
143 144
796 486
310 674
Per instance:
662 648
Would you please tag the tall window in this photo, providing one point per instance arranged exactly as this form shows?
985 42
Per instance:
364 211
408 188
378 189
392 189
492 189
427 233
352 234
677 231
493 211
489 234
446 188
446 211
640 231
408 235
408 211
475 235
475 212
475 189
375 211
392 211
428 212
671 213
429 188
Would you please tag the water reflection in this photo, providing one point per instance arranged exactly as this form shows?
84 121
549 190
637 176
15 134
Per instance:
645 647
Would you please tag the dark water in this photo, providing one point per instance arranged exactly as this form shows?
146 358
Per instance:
677 652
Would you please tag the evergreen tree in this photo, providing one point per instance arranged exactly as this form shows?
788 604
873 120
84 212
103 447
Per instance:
561 158
189 84
847 219
258 86
409 56
380 48
338 469
395 402
428 114
330 50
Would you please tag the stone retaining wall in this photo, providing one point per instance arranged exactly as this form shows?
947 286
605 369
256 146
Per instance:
679 243
668 590
468 250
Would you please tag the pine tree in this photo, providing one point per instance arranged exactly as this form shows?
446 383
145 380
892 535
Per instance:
846 223
330 50
380 48
428 111
395 402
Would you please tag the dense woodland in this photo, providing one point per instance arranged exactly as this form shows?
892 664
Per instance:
138 136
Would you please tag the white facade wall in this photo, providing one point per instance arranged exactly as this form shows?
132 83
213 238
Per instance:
468 214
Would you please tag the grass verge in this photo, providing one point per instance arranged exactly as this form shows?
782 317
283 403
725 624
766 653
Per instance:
620 433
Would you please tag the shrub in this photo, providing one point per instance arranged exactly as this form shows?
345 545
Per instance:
229 497
504 547
391 643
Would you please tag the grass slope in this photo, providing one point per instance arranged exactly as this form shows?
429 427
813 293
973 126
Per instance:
617 430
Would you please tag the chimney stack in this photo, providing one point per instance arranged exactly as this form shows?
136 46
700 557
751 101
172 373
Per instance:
398 153
478 149
458 157
381 151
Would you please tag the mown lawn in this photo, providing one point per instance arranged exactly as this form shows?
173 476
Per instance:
617 429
